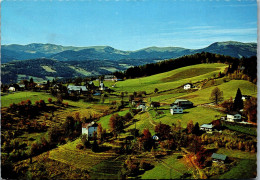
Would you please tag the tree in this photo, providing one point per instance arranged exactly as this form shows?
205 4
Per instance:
238 103
216 95
163 130
250 109
116 124
190 127
100 132
156 90
147 140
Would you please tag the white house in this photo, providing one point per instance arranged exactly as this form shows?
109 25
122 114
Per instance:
89 129
245 97
11 89
142 106
233 117
110 78
76 89
176 110
207 127
188 86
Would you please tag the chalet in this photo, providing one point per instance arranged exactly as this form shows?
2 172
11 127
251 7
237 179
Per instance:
246 97
89 129
176 110
218 158
207 127
188 86
185 104
12 89
77 89
142 106
110 78
233 117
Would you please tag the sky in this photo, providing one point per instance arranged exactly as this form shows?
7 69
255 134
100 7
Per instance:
128 24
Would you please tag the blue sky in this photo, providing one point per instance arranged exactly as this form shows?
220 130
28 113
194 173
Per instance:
129 24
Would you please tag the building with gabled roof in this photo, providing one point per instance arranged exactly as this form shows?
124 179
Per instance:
77 89
218 158
89 129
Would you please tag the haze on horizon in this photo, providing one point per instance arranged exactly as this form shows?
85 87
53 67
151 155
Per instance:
128 25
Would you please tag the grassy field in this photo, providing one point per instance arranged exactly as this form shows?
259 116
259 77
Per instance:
245 169
171 79
229 90
237 153
197 114
160 171
17 97
247 130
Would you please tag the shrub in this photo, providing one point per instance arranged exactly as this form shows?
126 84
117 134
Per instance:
79 146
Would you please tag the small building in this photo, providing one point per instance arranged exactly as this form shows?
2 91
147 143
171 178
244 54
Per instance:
110 78
218 158
11 89
188 86
77 89
207 127
142 106
233 117
156 137
246 97
89 129
176 110
185 104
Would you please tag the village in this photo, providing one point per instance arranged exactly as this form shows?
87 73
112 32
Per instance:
136 128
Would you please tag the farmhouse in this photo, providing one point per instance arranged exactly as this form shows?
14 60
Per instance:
142 106
207 127
176 110
77 89
183 103
89 129
218 158
110 78
188 86
11 89
233 117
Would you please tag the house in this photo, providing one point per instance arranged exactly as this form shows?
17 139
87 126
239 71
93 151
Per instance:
142 106
233 117
218 158
183 103
207 127
21 86
246 97
77 89
11 89
137 101
176 110
89 129
188 86
110 78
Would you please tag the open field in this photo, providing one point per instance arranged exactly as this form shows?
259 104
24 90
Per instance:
171 79
199 114
229 90
162 170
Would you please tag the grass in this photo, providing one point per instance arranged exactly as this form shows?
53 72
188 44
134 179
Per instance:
198 114
23 96
229 90
245 169
162 172
243 129
237 153
161 81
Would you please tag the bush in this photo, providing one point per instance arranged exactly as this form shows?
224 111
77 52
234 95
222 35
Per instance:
80 146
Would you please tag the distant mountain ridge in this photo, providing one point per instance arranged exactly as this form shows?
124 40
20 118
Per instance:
71 53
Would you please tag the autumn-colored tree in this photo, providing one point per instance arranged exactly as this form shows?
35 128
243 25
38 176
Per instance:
228 104
250 109
163 130
190 126
147 140
50 100
100 132
216 95
116 124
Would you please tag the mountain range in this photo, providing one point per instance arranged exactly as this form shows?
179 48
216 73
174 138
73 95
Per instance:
48 61
71 53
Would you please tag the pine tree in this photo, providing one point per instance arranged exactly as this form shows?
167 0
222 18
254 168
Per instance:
238 103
